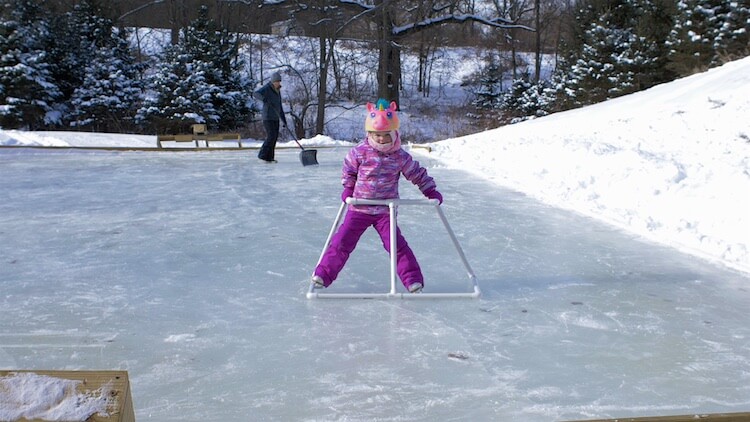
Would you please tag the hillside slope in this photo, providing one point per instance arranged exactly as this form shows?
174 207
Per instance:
670 163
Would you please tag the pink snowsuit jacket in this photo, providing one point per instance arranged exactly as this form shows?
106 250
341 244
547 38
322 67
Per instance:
375 175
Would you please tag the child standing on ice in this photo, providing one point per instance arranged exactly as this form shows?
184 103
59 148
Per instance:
371 171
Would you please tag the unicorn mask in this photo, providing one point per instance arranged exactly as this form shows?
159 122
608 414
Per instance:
382 118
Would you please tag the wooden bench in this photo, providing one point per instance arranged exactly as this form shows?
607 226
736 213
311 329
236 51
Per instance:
175 138
196 139
221 137
200 134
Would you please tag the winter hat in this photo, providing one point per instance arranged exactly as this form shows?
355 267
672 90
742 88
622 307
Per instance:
275 77
381 117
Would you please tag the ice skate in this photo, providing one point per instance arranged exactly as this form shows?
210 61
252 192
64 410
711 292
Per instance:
415 287
318 282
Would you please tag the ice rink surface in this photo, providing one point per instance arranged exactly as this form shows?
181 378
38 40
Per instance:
189 270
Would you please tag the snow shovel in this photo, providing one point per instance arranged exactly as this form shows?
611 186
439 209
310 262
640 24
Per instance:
308 157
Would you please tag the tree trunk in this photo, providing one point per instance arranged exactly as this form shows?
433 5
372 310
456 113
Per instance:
513 55
389 71
175 21
538 56
422 65
389 63
322 84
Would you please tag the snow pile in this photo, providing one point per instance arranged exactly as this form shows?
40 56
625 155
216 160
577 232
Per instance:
671 163
321 141
78 139
31 396
117 140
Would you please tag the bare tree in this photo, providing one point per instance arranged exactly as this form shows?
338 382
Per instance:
548 18
388 24
413 20
538 43
326 20
176 14
516 10
391 22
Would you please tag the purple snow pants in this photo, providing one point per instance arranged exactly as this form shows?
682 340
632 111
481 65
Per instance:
346 238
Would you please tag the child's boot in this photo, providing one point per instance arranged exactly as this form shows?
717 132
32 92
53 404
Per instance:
318 282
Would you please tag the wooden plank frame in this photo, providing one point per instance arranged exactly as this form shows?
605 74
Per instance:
708 417
122 403
197 137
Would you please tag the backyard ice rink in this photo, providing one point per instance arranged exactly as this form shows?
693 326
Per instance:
189 270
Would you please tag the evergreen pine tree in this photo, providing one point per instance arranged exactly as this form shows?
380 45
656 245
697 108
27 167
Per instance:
75 40
527 99
107 98
198 81
513 99
707 33
614 52
218 49
27 88
180 93
735 34
489 95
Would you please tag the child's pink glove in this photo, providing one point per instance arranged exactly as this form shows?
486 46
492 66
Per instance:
434 194
347 193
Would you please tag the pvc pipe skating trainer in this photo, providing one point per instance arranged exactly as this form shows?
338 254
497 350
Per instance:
393 204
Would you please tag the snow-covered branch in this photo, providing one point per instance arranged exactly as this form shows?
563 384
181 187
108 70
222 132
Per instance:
139 8
495 22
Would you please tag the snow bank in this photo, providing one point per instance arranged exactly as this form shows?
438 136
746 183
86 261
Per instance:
670 163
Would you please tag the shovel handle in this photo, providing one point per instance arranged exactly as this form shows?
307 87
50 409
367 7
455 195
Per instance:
295 138
278 114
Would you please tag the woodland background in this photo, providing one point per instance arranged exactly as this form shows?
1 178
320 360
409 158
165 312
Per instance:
94 65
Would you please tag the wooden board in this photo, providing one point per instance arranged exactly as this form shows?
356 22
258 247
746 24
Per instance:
706 417
120 403
196 137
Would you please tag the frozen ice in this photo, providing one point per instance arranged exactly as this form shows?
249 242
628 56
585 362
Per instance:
189 270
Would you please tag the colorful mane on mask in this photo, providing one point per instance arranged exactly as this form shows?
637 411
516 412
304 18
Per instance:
381 117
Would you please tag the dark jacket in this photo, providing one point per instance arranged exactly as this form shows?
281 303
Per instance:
271 103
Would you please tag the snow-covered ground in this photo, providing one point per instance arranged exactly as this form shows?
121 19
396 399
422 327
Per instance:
671 163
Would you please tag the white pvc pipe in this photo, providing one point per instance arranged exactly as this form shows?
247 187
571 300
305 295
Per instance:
393 204
397 201
334 226
320 295
458 247
393 227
